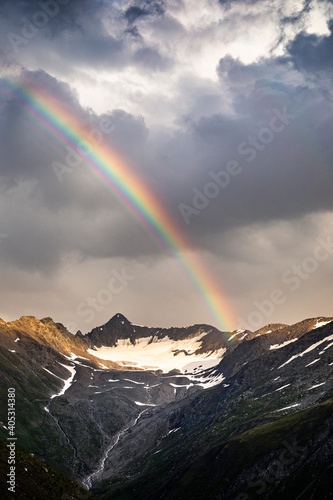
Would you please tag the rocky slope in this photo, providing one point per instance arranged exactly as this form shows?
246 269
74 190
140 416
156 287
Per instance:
223 432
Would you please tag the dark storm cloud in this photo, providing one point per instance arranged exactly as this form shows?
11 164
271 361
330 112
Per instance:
76 34
59 213
66 15
126 132
144 8
313 53
21 159
25 18
284 174
134 12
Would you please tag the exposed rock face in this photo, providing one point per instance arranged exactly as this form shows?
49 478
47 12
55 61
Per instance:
257 344
116 328
216 434
44 332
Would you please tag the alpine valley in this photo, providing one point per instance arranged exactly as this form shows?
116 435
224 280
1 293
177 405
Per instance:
129 412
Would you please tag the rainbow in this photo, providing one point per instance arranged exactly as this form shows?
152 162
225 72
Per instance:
69 130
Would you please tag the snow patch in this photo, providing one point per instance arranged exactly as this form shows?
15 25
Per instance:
208 382
173 430
134 381
70 357
73 356
143 404
287 407
278 346
202 379
68 381
54 375
309 349
235 334
283 387
317 385
312 362
186 385
322 323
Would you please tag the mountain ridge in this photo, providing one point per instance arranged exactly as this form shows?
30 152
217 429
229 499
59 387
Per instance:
139 432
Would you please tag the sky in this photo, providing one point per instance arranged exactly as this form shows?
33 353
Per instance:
222 109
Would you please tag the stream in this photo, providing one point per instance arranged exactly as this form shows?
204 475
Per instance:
87 482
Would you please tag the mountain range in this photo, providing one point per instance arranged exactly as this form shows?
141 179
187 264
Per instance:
134 412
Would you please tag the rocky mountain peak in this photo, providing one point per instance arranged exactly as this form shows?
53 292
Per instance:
118 327
118 319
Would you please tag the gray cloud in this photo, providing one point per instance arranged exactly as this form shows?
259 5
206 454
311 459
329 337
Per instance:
298 16
151 59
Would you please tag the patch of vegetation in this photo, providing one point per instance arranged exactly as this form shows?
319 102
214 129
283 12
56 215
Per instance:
37 480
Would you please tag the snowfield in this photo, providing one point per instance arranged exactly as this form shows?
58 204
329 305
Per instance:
163 354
